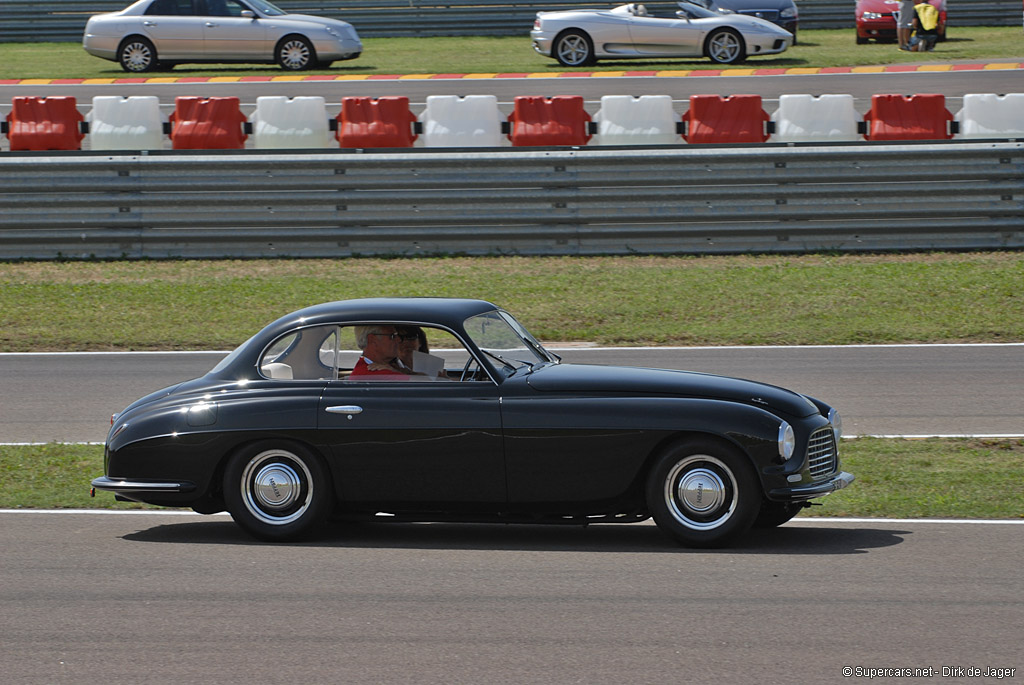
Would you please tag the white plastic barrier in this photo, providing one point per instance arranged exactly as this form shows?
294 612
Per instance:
132 123
282 124
646 120
987 115
470 121
823 119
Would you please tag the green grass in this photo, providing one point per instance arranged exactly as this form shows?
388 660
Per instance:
817 48
895 478
812 299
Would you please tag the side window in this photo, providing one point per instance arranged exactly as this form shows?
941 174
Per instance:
417 354
303 354
170 8
224 8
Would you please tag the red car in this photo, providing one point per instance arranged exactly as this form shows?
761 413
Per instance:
877 19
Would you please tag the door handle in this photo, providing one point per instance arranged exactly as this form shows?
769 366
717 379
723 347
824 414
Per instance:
211 25
349 409
149 23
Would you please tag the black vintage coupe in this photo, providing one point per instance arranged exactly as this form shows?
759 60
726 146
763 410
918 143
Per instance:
495 428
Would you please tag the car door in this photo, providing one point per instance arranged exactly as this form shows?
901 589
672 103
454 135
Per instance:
230 36
415 445
174 28
661 32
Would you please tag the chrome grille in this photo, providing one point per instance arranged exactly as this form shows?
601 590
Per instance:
821 453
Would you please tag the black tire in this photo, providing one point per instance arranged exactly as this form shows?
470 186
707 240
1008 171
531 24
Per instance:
295 53
774 514
862 41
137 55
573 48
703 493
725 46
278 491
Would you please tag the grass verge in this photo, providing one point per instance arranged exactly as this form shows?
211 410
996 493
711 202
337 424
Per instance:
936 478
470 54
743 300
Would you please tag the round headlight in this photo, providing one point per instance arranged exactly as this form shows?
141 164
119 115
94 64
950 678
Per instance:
837 423
787 441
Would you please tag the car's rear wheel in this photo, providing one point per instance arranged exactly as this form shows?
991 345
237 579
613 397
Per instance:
574 48
703 493
137 55
295 53
277 490
725 46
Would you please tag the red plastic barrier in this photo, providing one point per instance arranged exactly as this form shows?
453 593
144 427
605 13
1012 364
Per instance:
207 124
52 123
560 120
918 117
733 119
375 122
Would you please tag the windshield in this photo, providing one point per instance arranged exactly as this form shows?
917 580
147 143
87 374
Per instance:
696 11
502 339
266 8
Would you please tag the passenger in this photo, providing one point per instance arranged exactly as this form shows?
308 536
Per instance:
380 350
412 339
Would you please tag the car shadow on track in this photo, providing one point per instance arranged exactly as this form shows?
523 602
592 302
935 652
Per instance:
635 538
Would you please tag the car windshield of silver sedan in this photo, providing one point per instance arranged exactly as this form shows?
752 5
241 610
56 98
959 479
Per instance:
504 340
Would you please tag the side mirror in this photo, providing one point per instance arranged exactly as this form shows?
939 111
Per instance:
248 14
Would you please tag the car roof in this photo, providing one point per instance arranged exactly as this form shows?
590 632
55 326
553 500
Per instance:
450 312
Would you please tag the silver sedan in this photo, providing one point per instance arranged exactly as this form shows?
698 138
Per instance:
150 34
578 38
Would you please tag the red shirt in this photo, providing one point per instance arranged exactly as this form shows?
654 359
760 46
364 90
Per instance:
362 368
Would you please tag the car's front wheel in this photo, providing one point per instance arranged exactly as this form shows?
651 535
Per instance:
137 55
574 48
295 53
725 46
703 493
277 490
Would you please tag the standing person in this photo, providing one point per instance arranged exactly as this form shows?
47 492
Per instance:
380 349
905 23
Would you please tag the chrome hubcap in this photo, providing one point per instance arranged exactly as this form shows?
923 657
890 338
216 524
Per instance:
700 492
137 56
295 54
276 487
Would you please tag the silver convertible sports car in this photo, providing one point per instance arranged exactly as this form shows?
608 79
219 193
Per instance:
430 409
152 34
578 38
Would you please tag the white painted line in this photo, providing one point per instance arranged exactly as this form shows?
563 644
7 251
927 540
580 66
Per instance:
111 512
840 519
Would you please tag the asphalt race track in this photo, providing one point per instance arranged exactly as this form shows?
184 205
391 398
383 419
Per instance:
898 390
92 598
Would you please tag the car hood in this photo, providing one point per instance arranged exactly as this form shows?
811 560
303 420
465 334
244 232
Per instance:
881 6
586 378
315 21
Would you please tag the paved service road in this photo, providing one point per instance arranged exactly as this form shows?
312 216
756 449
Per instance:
134 598
927 390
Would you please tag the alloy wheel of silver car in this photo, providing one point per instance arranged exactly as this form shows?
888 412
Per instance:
277 491
137 55
725 46
703 493
573 49
295 54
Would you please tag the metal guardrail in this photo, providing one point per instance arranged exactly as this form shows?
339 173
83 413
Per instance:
64 20
687 199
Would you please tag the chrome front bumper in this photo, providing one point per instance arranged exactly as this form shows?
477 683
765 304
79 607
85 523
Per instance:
802 492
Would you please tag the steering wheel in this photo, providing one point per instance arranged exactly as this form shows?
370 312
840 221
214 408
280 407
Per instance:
465 369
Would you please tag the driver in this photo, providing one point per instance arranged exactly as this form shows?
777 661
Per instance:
380 349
